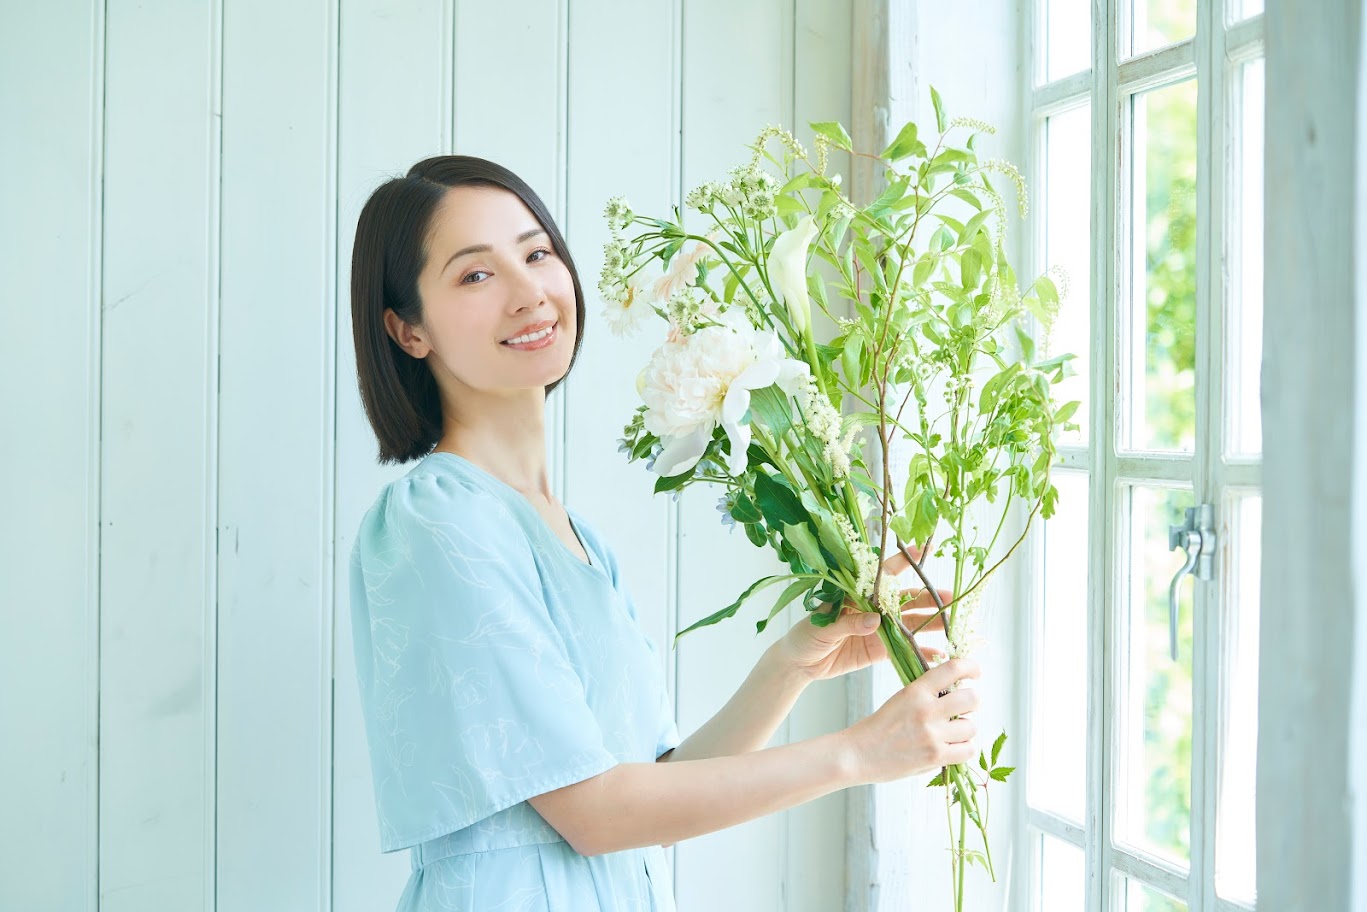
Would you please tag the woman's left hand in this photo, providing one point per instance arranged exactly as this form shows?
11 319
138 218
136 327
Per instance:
818 653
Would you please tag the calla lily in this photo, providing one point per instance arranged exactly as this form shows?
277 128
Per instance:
787 267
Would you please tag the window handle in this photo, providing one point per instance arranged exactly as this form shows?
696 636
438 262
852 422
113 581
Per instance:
1197 537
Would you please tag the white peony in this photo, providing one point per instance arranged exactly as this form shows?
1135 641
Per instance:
696 382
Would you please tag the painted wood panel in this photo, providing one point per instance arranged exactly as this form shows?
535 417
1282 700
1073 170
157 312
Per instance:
275 477
50 162
159 459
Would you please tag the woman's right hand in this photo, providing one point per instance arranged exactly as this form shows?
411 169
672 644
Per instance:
917 730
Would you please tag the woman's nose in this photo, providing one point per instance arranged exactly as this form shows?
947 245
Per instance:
527 288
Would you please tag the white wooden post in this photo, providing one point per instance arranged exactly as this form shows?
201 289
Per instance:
1310 807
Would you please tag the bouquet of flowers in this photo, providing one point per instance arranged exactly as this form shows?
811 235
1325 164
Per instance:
939 351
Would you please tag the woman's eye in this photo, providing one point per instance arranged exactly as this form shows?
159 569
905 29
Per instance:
465 280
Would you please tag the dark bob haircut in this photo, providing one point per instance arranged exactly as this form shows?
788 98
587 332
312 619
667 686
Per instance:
398 391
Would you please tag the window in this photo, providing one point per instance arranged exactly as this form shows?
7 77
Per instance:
1148 138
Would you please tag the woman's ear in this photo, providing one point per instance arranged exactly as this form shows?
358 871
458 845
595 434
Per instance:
405 335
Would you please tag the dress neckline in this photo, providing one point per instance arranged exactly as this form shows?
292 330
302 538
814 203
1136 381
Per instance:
593 563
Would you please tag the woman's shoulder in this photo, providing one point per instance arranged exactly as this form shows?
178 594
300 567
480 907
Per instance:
435 494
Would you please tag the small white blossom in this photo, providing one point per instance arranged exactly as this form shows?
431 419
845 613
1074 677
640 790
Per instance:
972 124
618 213
625 309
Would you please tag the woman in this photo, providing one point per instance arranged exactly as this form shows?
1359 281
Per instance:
521 740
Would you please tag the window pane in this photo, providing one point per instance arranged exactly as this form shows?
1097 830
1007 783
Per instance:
1136 897
1159 407
1235 843
1244 9
1245 296
1068 37
1157 23
1062 880
1154 788
1058 755
1067 241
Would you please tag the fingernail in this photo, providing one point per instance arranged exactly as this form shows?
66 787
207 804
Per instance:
869 621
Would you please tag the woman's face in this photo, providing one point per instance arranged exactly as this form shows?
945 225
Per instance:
491 277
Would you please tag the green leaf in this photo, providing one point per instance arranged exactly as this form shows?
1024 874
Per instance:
894 192
669 483
745 511
922 270
938 780
770 406
800 537
833 131
974 225
849 357
732 608
982 759
1066 411
786 205
831 539
905 144
786 597
971 268
1001 772
940 121
997 747
755 532
778 503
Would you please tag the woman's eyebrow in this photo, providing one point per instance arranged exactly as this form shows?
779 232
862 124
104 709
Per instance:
485 248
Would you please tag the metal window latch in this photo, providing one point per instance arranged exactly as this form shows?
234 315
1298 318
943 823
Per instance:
1197 538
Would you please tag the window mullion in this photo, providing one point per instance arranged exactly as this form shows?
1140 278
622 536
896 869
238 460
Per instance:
1212 156
1105 295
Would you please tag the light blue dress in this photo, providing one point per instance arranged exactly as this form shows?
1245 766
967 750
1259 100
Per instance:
495 665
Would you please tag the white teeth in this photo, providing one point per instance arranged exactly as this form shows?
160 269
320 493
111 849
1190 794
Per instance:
530 337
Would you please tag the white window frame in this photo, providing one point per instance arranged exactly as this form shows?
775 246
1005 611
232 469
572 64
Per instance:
1213 54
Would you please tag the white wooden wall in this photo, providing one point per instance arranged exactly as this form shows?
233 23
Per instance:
183 456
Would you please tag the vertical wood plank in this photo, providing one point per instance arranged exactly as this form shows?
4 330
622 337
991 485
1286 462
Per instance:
393 111
736 80
276 457
50 167
159 461
1306 672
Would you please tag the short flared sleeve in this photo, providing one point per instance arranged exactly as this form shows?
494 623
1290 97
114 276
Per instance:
471 704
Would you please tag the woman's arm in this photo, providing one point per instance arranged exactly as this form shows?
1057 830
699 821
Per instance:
750 718
642 804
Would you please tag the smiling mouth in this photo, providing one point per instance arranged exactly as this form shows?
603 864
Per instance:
537 339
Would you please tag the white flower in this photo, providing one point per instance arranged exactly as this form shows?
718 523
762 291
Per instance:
787 269
824 424
689 309
696 382
865 561
683 271
624 309
618 213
